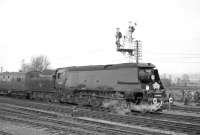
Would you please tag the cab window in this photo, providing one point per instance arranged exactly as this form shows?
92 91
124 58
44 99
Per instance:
145 75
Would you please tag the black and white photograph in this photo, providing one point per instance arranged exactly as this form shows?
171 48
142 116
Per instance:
99 67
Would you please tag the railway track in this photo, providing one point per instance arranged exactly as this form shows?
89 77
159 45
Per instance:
4 133
171 117
152 122
58 125
66 124
166 122
38 121
186 109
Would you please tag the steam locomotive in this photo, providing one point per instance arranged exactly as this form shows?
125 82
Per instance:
127 84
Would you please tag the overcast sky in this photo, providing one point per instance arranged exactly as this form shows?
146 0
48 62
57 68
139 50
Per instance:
82 32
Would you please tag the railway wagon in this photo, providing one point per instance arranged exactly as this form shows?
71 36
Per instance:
12 82
33 84
40 85
135 83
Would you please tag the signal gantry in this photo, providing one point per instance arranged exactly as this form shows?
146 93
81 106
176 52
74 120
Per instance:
127 44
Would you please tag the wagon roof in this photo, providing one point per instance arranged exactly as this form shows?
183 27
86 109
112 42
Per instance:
109 66
45 72
48 72
12 73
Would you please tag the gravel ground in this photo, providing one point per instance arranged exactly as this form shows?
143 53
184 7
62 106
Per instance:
175 112
11 128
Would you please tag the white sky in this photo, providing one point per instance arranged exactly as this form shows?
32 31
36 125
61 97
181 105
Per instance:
82 32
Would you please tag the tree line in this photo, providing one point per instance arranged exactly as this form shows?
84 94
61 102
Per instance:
169 81
38 63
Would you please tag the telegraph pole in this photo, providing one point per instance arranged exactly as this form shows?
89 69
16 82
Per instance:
138 50
137 56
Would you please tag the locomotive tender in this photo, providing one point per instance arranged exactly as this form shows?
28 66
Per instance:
96 85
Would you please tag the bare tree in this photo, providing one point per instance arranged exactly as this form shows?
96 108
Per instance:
38 63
